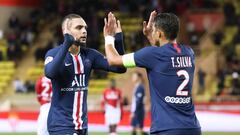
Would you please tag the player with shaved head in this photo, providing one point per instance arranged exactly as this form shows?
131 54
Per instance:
69 67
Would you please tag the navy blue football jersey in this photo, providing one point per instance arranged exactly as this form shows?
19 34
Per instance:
170 71
70 77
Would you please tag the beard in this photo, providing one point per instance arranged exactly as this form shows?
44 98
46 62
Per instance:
79 43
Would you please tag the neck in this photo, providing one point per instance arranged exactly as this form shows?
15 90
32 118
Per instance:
74 50
163 42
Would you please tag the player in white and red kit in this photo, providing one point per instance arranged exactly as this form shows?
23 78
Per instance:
112 104
44 92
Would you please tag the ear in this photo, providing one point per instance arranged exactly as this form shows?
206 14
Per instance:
160 34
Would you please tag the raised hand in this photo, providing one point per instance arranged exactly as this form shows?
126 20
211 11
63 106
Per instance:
109 25
118 27
148 27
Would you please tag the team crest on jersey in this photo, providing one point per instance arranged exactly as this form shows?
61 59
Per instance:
87 63
48 60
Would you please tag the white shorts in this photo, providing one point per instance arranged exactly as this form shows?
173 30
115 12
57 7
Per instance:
112 115
42 119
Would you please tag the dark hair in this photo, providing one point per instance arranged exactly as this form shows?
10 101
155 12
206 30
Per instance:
70 17
168 23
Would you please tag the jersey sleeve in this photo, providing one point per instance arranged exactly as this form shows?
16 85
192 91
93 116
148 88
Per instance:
119 45
141 58
54 59
100 62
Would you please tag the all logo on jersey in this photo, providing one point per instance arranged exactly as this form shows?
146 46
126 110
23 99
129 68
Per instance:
79 80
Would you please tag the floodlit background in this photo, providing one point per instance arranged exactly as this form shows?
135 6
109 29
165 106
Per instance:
29 28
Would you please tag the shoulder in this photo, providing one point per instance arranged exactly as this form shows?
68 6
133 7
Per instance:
147 50
90 51
150 48
188 49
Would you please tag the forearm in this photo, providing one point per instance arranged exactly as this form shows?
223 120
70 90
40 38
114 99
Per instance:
114 59
119 45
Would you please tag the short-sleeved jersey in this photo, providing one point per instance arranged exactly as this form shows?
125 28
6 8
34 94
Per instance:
43 89
70 75
138 99
112 97
170 71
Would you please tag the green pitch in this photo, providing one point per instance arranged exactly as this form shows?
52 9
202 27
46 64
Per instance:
205 133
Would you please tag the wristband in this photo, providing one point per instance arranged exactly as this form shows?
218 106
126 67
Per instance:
109 40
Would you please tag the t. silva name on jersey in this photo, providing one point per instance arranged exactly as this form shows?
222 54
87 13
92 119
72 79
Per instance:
181 62
184 61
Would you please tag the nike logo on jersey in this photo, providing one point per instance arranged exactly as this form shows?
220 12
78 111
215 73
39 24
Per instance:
68 64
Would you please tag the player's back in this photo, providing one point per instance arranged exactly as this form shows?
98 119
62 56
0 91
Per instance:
170 72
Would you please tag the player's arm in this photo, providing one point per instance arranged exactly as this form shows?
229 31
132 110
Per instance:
113 56
119 45
100 62
53 61
140 58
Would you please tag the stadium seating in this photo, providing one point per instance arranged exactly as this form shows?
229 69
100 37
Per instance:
7 70
231 31
3 48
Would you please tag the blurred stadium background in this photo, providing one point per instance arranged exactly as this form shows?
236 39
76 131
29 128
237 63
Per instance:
29 28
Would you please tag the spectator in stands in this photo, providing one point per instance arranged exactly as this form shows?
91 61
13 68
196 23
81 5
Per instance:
29 85
26 37
229 13
11 53
12 37
217 37
19 86
13 22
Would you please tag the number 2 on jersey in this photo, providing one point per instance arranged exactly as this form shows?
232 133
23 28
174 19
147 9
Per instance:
180 88
46 89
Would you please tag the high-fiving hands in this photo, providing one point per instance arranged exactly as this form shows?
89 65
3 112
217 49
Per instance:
111 25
